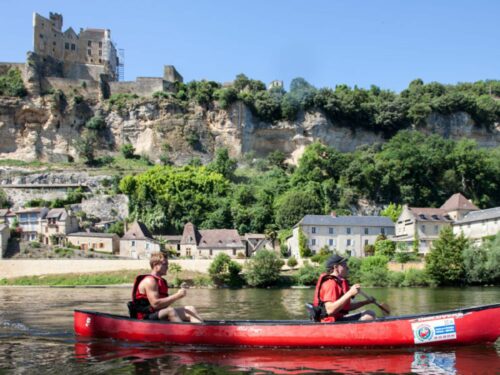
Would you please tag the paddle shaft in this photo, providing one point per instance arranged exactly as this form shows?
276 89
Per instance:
384 309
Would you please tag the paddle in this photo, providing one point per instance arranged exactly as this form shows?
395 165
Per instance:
385 309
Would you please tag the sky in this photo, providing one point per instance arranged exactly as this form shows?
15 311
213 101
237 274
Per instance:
355 42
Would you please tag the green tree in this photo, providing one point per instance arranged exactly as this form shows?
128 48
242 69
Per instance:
304 249
385 248
263 269
392 211
293 205
482 263
11 83
86 146
117 228
223 164
444 263
374 271
4 199
224 271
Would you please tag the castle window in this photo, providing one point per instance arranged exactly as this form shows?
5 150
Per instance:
100 52
73 47
89 52
54 43
41 36
90 43
100 44
66 45
100 61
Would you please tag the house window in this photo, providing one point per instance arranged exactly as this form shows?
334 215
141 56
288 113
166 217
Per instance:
366 230
188 252
199 252
313 230
211 252
331 231
132 243
234 251
422 228
147 246
330 242
66 45
382 231
366 242
348 242
73 47
436 229
313 242
348 230
101 245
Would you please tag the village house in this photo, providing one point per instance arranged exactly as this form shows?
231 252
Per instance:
206 244
423 224
138 242
254 242
102 242
29 222
479 224
345 234
56 225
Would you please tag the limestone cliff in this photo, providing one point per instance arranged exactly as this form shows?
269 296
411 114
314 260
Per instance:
46 128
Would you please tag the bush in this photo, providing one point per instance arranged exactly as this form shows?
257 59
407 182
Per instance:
385 248
96 123
395 279
11 84
308 274
127 151
374 271
414 277
291 262
202 281
263 269
224 271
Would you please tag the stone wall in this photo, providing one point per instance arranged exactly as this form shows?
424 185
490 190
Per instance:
84 87
10 268
143 86
5 66
83 71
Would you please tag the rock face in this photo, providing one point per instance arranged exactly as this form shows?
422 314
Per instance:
46 128
106 207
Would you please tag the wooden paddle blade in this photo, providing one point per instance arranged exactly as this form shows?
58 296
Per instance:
385 308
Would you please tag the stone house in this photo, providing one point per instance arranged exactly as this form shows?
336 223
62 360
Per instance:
254 242
102 242
138 242
4 239
206 244
423 224
56 225
30 222
345 234
478 224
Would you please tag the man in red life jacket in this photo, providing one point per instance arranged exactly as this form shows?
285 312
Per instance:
151 299
333 294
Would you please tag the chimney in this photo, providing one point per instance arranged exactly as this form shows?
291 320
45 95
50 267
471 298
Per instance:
333 214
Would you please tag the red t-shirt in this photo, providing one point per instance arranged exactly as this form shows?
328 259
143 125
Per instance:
331 291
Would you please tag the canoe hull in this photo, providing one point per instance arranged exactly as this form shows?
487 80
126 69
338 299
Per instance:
458 327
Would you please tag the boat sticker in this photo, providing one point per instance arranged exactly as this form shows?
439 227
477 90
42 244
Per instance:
88 321
444 316
434 330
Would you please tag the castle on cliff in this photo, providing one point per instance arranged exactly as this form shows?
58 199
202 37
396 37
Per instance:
85 55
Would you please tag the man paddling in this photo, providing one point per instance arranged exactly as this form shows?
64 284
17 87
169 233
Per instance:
150 299
333 294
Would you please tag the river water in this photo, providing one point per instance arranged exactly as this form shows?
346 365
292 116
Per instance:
36 335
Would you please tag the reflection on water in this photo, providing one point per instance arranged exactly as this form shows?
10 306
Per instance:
36 335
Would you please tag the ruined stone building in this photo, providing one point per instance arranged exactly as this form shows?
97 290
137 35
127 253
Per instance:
85 55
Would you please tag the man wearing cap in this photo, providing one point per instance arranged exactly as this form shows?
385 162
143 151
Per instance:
333 294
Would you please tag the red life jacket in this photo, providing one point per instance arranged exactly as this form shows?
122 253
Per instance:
140 301
344 287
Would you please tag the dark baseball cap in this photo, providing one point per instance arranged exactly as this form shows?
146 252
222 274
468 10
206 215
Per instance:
334 260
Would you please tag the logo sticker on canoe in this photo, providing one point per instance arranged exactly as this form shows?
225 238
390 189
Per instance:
434 330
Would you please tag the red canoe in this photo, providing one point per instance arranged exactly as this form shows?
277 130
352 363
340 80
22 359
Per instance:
456 327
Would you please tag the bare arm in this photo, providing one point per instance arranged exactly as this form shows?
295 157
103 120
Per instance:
151 289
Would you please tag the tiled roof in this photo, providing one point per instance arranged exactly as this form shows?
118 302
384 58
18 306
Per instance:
429 214
458 202
364 221
92 234
219 238
489 214
57 213
137 231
